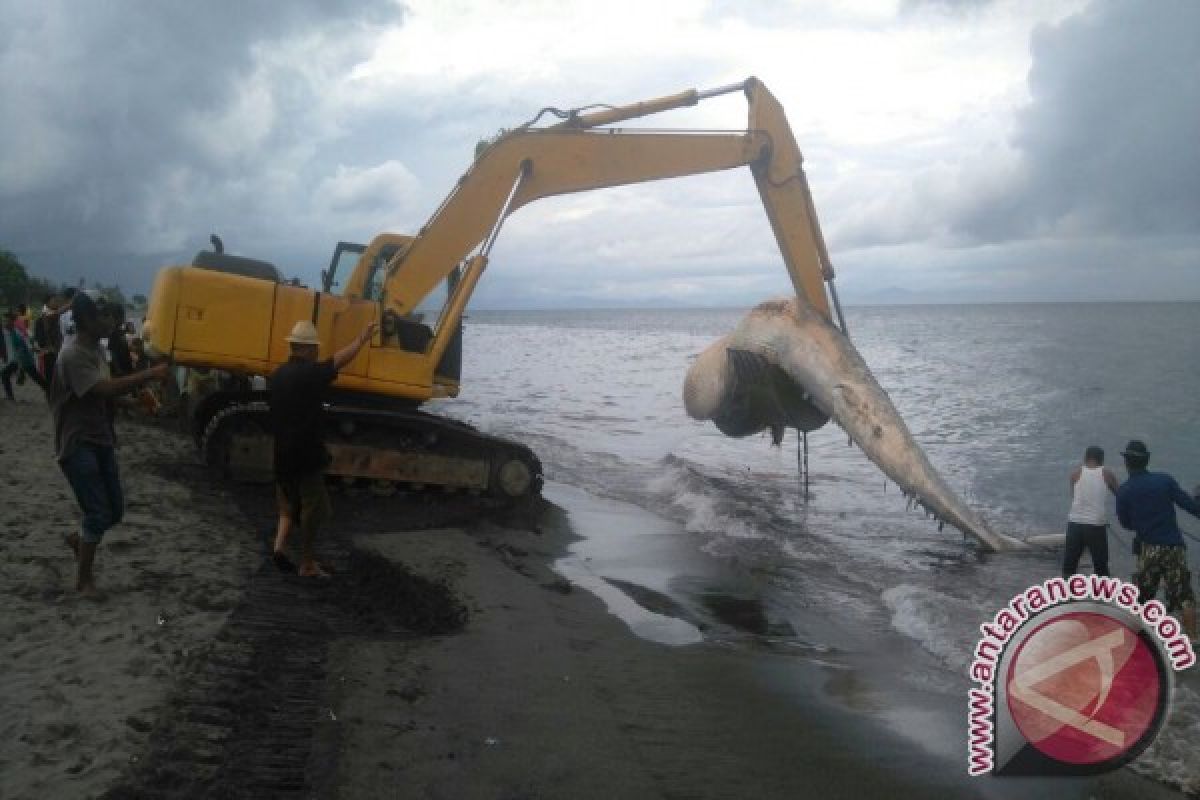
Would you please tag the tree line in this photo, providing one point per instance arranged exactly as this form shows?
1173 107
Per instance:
18 286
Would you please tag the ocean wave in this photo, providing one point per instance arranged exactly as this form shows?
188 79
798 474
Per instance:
934 620
1172 757
685 491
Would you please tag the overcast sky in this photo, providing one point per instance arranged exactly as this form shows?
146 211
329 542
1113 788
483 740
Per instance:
958 151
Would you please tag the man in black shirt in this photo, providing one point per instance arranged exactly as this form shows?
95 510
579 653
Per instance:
297 391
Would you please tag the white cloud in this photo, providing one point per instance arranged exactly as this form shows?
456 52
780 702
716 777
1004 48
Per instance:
355 190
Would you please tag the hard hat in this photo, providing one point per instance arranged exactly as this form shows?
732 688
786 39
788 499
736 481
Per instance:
304 332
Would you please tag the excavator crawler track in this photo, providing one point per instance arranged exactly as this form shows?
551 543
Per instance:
386 450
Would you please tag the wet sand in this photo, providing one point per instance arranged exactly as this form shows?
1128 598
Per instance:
446 659
546 695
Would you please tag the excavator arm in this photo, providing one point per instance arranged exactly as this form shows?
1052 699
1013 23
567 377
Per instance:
577 155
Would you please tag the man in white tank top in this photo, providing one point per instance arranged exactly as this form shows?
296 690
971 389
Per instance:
1087 522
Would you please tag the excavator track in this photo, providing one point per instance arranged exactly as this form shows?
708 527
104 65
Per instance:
251 714
386 450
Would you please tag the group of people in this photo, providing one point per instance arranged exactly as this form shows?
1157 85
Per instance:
1145 504
87 378
16 351
29 344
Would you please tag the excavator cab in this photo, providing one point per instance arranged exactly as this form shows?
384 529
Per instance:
411 332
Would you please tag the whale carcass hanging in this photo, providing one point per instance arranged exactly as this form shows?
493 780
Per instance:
786 365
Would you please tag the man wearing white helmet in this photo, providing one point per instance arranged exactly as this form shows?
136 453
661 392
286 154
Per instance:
297 390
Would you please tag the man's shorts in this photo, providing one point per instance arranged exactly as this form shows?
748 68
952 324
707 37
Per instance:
1166 563
303 498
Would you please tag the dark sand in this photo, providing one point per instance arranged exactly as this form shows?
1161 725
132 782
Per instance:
82 682
546 695
445 660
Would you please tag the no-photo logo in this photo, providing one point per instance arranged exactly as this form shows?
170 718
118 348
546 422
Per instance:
1071 686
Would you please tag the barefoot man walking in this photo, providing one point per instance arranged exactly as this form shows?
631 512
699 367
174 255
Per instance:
80 397
297 391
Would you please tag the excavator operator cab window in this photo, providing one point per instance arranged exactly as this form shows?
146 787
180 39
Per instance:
345 257
429 310
412 331
376 285
375 281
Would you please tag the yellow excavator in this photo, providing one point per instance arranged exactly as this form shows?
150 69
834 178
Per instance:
231 314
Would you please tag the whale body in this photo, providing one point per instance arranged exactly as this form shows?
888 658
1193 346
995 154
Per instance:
786 365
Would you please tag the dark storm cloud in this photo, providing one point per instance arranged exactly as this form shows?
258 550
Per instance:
122 117
1107 143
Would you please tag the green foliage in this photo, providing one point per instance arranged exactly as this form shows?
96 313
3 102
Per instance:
14 280
18 286
38 288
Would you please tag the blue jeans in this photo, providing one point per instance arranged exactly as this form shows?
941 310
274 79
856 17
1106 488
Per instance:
91 469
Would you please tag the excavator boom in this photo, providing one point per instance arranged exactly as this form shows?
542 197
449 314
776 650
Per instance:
575 156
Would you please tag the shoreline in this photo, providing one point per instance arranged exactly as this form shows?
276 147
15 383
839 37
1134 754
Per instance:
449 657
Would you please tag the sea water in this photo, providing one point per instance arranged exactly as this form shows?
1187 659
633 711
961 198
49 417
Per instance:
1003 399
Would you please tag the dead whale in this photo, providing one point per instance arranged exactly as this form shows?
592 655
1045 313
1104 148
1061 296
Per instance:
786 365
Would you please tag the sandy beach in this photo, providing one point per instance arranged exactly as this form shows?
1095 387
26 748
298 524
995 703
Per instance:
83 681
446 659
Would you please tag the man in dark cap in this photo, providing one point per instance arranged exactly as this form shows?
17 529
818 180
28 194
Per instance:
1146 505
80 396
